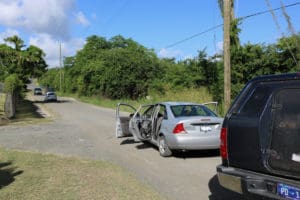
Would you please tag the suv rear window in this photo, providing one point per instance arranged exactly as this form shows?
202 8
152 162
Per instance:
285 148
256 101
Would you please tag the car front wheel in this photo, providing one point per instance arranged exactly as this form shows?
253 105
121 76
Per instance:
164 150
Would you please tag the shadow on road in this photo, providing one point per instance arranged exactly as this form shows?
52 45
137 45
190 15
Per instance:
7 174
145 145
197 154
128 141
27 108
58 101
220 193
176 154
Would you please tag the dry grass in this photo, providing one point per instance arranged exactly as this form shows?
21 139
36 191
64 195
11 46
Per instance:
199 95
26 175
2 100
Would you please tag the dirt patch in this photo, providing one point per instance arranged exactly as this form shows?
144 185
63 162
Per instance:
3 121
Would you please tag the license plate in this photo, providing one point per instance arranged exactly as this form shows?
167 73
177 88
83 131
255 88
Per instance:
205 128
288 192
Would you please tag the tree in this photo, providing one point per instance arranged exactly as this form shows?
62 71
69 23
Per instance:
16 41
25 63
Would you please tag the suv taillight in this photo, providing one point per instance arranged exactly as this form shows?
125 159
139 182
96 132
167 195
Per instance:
179 128
223 145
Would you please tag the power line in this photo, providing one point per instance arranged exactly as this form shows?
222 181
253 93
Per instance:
267 11
193 36
220 25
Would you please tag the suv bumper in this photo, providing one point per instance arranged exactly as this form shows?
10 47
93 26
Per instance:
250 183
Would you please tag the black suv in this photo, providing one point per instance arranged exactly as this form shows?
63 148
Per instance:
260 139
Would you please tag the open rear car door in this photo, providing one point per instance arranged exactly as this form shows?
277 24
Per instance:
141 124
124 113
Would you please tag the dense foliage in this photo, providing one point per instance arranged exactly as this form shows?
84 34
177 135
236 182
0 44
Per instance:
122 68
20 62
115 68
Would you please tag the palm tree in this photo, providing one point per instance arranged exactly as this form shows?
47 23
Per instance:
16 41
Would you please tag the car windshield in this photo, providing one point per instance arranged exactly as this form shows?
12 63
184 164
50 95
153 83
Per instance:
192 111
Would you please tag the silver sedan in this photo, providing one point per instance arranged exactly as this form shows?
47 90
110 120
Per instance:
171 125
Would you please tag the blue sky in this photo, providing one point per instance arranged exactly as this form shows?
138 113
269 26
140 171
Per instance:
156 24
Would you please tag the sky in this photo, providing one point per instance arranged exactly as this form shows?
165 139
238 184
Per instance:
172 28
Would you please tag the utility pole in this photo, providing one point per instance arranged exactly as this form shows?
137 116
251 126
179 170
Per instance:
227 65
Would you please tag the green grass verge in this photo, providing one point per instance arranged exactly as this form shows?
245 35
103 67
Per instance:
198 95
35 176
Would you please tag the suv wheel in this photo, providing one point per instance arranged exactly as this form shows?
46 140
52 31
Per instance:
163 147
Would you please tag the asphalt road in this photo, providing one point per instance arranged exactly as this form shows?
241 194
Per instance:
87 131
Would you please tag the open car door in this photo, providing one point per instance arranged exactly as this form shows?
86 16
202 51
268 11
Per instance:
124 113
213 105
142 123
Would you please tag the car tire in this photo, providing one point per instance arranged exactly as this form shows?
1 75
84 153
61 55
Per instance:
163 148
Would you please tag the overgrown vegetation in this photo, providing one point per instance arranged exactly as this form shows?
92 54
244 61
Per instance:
25 175
2 101
12 83
121 68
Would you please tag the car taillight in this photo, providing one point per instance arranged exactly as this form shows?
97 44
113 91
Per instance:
223 145
179 128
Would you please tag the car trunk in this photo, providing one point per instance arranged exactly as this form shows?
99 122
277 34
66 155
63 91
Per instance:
205 126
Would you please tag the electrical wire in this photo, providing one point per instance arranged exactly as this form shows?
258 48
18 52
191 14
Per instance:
193 36
220 25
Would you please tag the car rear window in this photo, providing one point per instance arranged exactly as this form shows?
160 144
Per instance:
192 111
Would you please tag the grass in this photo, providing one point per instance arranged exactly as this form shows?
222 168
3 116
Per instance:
2 100
199 95
35 176
193 95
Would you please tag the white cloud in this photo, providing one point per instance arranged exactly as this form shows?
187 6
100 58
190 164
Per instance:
165 53
8 33
81 19
51 47
38 16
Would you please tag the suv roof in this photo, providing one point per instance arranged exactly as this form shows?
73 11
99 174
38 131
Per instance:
276 77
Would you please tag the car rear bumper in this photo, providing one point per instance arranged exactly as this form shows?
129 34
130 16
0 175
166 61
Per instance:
187 142
51 99
251 183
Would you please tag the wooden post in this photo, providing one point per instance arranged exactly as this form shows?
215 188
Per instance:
227 68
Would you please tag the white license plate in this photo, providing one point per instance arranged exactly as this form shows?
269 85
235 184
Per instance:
205 128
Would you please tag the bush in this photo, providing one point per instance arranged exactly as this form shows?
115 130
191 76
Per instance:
12 83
